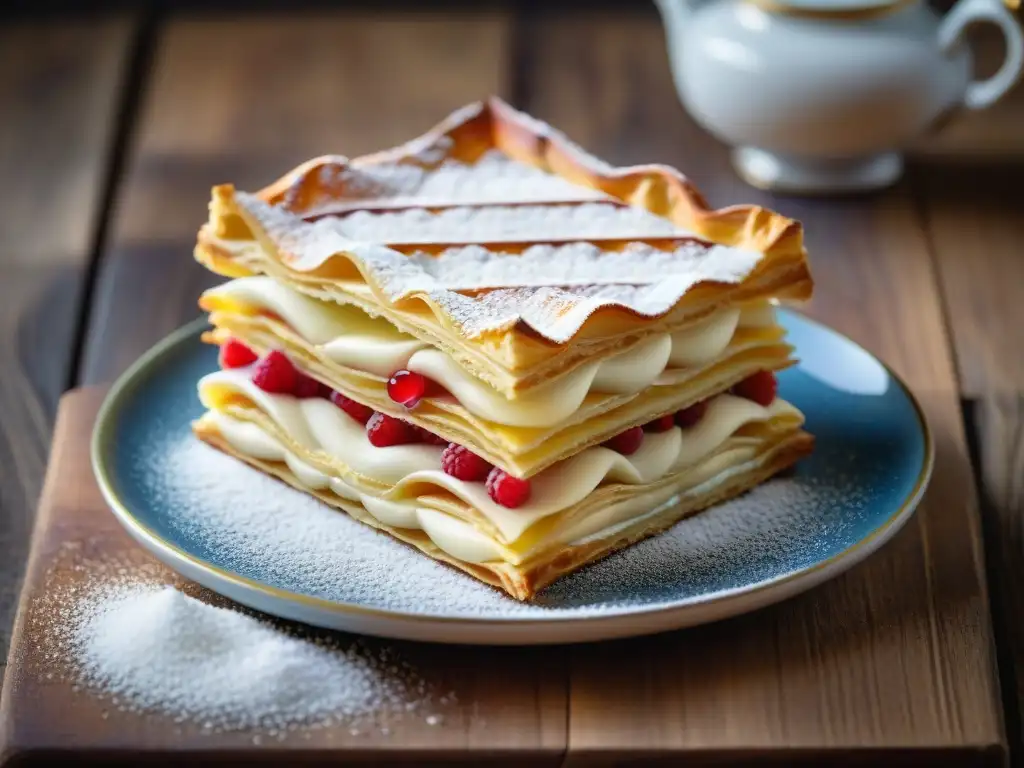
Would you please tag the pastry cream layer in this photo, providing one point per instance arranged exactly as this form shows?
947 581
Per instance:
522 451
350 338
328 440
461 537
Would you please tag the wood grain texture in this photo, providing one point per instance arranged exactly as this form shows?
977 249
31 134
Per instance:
508 706
243 101
893 659
59 88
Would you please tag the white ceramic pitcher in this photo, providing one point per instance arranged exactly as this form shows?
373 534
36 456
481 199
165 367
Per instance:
820 95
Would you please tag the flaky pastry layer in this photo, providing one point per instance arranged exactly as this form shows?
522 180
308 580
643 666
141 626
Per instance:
513 313
521 451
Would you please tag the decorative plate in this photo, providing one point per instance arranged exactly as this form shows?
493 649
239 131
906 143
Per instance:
274 549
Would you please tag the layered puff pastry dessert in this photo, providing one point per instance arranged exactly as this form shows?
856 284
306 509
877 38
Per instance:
499 349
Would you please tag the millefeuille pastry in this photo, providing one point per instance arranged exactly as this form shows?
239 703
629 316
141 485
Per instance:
499 349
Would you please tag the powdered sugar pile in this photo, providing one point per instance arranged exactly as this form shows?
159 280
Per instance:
263 529
147 647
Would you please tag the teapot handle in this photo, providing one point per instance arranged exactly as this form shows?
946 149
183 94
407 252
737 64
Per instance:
951 32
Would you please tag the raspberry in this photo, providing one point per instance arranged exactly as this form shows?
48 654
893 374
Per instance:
275 374
506 490
627 442
306 387
407 388
458 461
428 437
234 354
383 431
759 387
690 416
662 424
357 411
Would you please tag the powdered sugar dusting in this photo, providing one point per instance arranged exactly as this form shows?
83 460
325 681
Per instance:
426 180
263 529
551 288
503 223
583 265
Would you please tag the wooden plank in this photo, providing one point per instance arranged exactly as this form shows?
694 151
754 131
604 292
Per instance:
890 662
59 90
242 101
502 697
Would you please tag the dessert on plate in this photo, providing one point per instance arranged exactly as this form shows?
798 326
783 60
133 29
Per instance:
499 349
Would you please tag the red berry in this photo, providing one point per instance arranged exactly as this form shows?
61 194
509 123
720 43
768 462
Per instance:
275 374
759 387
306 387
458 461
383 431
690 416
428 437
407 388
662 424
357 411
506 490
627 442
234 354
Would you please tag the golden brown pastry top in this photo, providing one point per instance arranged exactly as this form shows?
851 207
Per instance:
498 239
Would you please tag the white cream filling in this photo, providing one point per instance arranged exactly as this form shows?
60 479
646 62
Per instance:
319 426
351 338
456 537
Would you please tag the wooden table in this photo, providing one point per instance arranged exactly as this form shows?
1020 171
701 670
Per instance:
113 130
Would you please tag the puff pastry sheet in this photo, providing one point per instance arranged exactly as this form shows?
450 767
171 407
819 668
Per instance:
496 239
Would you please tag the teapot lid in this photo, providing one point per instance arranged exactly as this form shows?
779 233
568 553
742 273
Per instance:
842 8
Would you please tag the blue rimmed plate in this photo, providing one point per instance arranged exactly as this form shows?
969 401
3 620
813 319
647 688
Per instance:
249 538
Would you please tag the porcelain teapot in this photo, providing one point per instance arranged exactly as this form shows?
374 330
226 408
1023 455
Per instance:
820 95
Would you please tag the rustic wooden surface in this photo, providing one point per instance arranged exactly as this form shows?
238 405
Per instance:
893 663
59 91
